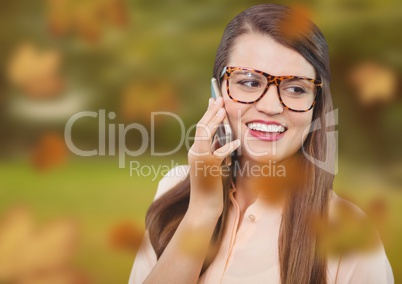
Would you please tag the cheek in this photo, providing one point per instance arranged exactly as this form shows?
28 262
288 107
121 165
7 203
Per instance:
301 123
234 112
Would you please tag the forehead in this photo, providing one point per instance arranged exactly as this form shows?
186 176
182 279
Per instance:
263 53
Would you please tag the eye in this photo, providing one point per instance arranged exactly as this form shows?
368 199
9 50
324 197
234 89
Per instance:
249 83
295 89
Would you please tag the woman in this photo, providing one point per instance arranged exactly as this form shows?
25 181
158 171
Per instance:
259 227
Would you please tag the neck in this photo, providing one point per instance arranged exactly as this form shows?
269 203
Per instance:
271 181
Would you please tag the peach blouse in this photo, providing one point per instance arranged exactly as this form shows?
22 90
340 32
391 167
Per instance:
249 251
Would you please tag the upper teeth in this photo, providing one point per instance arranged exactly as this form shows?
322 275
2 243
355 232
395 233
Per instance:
265 127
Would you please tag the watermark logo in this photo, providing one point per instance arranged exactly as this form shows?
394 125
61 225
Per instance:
108 130
201 169
330 164
146 137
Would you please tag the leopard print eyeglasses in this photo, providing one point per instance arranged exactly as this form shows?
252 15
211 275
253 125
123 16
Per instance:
247 86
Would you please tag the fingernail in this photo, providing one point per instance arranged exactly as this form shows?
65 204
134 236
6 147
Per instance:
210 101
218 100
220 112
237 142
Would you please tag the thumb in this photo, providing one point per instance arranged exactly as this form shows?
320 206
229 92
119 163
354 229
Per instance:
227 149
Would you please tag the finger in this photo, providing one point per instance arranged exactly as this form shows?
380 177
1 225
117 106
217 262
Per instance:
204 132
227 149
215 143
208 129
202 141
212 110
216 120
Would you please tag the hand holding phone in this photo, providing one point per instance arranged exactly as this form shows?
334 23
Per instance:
224 133
206 183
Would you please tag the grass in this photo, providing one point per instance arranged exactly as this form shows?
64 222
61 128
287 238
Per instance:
98 195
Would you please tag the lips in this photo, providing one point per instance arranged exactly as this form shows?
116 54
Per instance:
266 130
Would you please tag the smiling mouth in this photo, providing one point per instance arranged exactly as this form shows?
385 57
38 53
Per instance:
267 131
266 128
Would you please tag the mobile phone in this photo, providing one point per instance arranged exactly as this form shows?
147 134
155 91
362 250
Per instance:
224 132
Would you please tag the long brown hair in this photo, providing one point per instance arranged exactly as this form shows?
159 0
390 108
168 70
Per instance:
299 254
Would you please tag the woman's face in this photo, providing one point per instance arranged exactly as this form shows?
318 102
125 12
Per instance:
261 52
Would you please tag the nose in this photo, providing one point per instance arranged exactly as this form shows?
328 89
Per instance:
270 103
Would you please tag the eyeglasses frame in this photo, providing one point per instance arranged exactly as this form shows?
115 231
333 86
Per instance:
227 71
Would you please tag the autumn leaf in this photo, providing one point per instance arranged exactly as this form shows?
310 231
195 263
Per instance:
373 82
126 236
296 23
87 19
33 254
139 99
36 72
50 151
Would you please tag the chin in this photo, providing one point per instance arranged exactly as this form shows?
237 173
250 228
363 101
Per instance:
268 157
262 159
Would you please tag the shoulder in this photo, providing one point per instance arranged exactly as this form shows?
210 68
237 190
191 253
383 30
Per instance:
337 203
349 228
343 214
171 178
369 267
354 243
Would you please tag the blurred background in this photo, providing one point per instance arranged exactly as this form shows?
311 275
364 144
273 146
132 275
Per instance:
66 218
